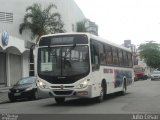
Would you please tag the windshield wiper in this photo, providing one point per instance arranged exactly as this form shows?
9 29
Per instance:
67 52
53 51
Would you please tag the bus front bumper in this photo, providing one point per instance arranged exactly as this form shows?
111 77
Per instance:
80 93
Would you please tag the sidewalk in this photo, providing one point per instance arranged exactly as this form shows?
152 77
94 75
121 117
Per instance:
4 95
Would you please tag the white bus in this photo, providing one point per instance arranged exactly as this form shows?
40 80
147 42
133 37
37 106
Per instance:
82 65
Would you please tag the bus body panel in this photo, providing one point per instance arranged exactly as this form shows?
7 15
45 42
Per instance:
75 92
114 77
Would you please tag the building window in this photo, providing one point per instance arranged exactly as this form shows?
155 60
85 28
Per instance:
6 17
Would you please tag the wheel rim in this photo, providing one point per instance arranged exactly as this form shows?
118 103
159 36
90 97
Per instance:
101 95
124 89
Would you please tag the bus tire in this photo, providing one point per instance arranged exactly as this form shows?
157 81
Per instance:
124 89
60 100
102 95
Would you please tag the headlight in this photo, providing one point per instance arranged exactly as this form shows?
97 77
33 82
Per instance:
42 85
83 84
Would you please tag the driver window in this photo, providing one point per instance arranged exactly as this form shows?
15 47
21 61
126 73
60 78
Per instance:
94 55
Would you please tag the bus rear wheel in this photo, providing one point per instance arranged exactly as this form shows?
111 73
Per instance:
124 89
60 100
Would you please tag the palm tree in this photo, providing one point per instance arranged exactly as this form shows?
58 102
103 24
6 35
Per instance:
41 22
87 26
81 26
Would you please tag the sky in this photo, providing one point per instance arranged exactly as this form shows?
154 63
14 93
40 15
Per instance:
119 20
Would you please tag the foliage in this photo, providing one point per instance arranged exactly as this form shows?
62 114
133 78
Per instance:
41 21
150 52
81 26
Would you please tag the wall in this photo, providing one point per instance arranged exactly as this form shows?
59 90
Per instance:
70 14
68 9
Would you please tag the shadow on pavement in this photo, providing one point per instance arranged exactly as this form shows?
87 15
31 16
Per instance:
18 101
5 102
85 101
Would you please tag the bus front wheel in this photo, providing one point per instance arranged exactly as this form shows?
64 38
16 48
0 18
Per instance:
60 100
102 95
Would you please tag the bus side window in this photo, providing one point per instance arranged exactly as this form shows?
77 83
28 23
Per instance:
108 54
101 54
120 53
130 59
94 55
115 56
125 57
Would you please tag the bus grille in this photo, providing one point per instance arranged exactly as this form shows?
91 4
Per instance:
63 92
60 86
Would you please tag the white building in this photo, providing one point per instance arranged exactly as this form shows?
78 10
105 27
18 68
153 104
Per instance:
91 27
14 55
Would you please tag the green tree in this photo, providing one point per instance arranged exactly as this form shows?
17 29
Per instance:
150 52
41 21
81 26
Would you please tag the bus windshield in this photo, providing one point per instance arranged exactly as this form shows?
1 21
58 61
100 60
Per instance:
63 60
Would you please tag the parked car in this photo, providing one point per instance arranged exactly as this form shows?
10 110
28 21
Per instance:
140 72
24 88
155 75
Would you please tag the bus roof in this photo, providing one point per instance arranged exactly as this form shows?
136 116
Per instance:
109 42
90 36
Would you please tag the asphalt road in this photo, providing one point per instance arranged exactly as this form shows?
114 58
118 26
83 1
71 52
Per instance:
143 97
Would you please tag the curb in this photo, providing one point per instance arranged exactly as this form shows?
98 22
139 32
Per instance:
5 89
3 97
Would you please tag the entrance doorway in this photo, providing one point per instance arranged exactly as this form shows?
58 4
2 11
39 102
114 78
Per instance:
2 69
